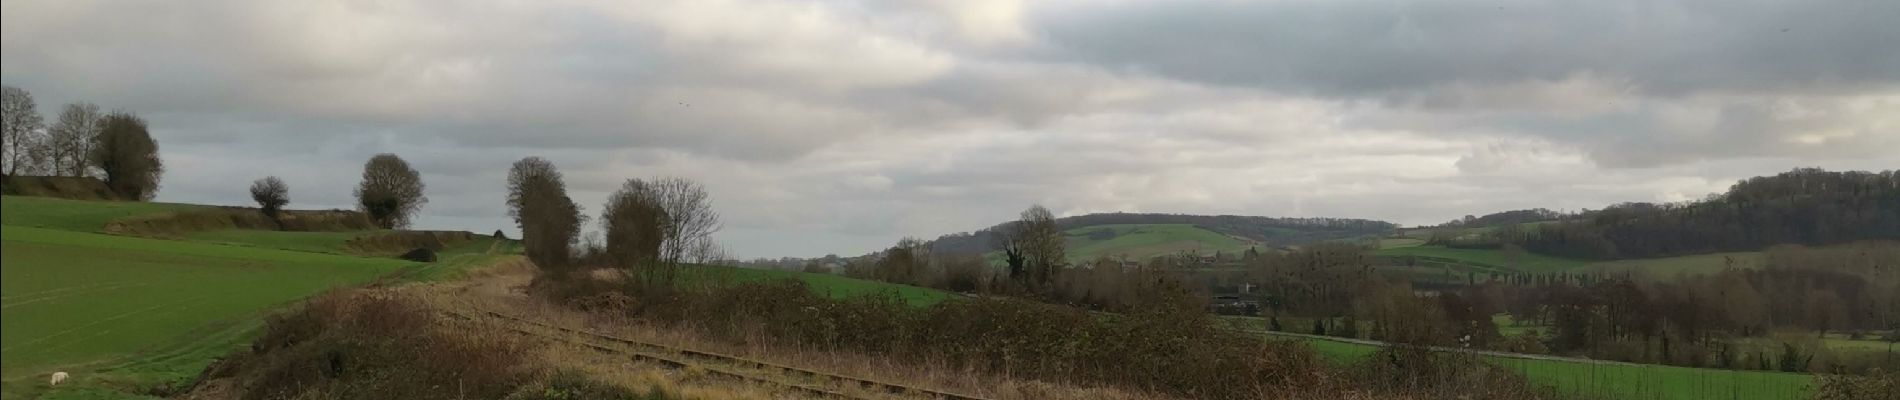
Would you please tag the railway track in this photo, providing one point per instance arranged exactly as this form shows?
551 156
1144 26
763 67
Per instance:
677 357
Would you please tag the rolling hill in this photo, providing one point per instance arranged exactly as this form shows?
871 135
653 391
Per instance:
1139 236
1144 241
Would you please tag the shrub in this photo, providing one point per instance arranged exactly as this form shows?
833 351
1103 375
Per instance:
1416 372
1154 349
1878 385
361 345
569 384
419 255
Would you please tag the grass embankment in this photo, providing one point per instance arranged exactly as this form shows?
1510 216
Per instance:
121 312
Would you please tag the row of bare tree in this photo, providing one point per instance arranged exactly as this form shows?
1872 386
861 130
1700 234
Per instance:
82 142
652 227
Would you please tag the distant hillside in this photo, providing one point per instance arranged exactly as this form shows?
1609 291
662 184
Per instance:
1805 206
1178 231
1145 241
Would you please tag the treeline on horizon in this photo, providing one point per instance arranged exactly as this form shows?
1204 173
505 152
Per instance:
1806 206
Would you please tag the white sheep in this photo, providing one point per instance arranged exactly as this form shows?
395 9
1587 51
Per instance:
59 377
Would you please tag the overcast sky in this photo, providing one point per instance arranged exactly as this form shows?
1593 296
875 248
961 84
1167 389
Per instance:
840 126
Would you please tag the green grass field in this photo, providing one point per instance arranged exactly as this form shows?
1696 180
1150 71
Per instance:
75 215
1144 241
122 312
1625 381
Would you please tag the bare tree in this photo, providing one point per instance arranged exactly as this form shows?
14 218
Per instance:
271 195
23 131
635 226
908 262
72 137
549 220
1035 242
391 192
690 219
128 156
657 225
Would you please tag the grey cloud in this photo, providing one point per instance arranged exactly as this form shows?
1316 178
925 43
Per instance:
1369 49
838 126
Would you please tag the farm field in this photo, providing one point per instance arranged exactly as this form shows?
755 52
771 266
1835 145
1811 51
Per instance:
130 312
1625 381
141 311
1144 241
1609 380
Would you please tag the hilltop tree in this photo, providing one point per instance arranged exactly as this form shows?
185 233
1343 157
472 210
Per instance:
549 220
71 139
22 126
128 156
391 192
271 195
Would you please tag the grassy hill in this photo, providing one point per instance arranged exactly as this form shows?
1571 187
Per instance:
1144 241
123 312
1210 231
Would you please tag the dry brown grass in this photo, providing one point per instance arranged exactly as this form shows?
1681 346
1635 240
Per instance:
65 187
543 362
488 294
623 372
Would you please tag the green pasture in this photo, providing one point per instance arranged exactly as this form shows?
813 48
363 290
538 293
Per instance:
122 311
1144 241
1624 381
126 313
